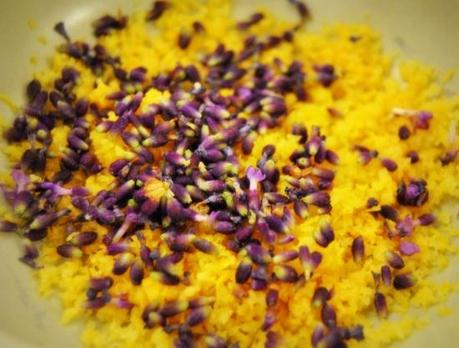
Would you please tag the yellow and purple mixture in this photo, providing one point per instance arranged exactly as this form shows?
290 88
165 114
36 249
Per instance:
191 180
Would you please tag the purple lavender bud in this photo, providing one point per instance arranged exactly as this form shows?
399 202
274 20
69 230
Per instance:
77 143
122 302
82 238
149 207
317 335
276 224
380 305
408 248
365 154
320 297
99 284
269 321
198 315
272 340
151 317
358 249
386 275
422 120
394 260
176 159
319 198
413 156
328 315
254 19
414 194
201 302
204 246
181 193
426 219
69 251
389 212
405 226
243 234
403 281
285 273
210 185
300 208
310 261
105 24
136 272
272 297
372 202
254 175
178 242
173 308
325 74
259 284
404 132
248 143
285 256
98 302
30 254
157 10
124 190
122 263
324 236
45 220
243 271
449 157
258 254
389 164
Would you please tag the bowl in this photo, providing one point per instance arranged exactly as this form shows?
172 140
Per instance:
424 30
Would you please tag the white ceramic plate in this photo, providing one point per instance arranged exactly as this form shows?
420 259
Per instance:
424 30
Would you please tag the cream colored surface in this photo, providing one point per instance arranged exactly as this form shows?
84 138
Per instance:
424 30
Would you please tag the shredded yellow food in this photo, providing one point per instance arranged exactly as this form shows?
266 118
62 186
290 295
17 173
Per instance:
356 109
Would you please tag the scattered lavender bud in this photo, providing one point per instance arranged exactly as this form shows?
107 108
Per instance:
358 249
258 254
426 219
243 271
198 315
204 246
408 248
389 212
404 132
413 156
285 256
403 281
285 273
136 272
173 308
325 235
320 297
269 321
380 305
389 164
386 275
82 238
412 194
272 297
328 315
394 260
122 263
157 11
69 251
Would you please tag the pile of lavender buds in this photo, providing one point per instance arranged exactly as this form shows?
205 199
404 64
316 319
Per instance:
202 132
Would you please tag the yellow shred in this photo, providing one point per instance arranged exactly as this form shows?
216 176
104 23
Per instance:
364 94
